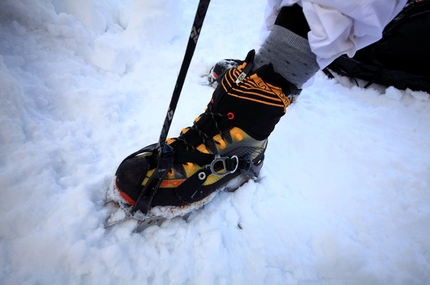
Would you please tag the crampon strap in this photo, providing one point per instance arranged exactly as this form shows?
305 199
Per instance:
219 166
165 155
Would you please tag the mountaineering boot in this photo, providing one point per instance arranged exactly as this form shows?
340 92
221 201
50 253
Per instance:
223 149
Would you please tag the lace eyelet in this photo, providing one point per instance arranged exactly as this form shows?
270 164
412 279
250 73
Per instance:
202 176
230 116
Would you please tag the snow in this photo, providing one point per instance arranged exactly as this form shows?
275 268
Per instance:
343 197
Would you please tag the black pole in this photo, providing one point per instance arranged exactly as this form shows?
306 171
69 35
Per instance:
164 151
192 42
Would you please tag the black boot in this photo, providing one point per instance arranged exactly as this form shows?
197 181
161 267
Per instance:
223 149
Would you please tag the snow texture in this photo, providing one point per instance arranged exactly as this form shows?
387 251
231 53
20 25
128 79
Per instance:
343 197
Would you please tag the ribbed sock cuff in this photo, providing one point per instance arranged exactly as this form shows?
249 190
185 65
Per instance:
290 55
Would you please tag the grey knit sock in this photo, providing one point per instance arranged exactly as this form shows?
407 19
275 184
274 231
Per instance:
289 54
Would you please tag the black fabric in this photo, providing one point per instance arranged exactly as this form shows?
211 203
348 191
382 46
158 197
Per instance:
293 19
256 119
401 58
406 42
268 74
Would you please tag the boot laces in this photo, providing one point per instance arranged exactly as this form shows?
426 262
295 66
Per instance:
208 141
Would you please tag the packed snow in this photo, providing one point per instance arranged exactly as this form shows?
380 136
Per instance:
343 197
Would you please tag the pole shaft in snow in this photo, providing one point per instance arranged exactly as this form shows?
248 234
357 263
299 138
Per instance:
165 152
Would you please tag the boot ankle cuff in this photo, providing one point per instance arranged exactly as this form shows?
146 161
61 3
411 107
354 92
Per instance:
269 75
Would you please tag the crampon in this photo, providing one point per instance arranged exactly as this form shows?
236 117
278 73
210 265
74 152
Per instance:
121 211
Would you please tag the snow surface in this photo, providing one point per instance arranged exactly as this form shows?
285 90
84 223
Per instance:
343 197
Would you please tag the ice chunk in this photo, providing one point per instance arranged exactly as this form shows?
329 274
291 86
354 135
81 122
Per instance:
419 95
393 93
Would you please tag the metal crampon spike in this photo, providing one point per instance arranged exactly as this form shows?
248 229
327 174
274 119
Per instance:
121 214
143 224
118 215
